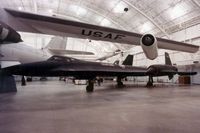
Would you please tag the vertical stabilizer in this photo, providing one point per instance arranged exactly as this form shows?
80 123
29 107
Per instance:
128 61
167 59
57 43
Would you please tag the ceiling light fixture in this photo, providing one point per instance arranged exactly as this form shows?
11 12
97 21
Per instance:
121 7
126 9
80 11
105 22
177 11
145 27
20 8
50 11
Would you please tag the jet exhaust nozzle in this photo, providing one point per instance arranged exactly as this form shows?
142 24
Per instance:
149 46
148 40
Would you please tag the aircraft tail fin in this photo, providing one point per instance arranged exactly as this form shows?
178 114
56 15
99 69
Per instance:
57 43
167 59
128 61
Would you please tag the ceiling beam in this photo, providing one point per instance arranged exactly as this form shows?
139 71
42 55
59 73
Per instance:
105 17
35 6
146 16
196 2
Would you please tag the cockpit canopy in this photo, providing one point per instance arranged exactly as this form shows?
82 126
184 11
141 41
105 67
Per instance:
61 58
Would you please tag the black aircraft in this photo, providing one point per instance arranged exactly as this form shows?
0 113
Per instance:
12 21
66 66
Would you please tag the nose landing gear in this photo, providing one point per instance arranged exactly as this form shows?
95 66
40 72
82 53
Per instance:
150 82
90 86
23 81
119 82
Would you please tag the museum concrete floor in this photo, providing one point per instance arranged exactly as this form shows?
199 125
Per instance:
57 107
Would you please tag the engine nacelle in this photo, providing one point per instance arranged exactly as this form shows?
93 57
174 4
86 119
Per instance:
149 45
7 34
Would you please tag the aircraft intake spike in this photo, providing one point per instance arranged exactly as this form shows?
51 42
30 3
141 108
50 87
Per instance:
8 34
151 71
148 40
149 46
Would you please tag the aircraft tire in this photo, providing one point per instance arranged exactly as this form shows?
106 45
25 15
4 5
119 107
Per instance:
149 84
89 88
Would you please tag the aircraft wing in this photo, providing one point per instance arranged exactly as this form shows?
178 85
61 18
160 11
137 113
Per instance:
170 72
186 73
29 22
64 52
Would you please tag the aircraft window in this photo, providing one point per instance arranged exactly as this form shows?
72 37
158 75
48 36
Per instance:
57 58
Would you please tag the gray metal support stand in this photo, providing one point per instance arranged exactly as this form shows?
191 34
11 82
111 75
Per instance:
7 83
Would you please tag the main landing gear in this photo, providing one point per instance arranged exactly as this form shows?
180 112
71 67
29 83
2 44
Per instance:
150 82
119 82
90 86
29 79
23 81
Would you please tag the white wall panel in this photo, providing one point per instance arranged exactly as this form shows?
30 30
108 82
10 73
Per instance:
189 33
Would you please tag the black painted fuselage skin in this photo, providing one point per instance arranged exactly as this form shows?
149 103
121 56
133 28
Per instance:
66 66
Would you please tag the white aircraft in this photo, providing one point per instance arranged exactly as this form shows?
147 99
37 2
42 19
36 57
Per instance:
20 53
29 22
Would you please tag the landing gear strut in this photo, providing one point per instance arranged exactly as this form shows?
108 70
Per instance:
23 81
119 82
29 79
150 82
90 86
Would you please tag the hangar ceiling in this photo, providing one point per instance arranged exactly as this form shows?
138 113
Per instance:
143 16
158 17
